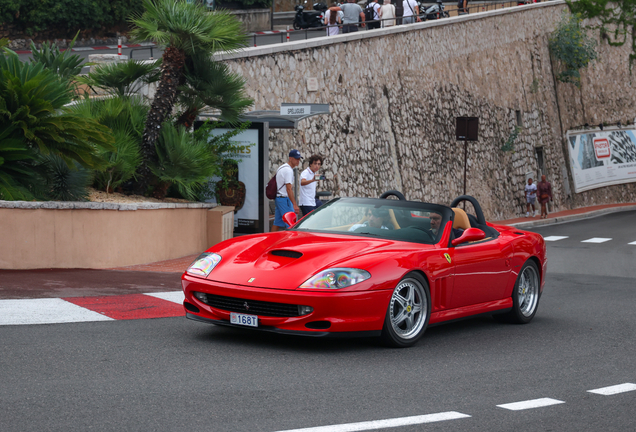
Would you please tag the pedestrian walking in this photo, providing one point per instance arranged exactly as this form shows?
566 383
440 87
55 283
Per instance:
352 16
544 190
374 13
333 18
387 14
308 182
285 201
462 7
411 12
531 197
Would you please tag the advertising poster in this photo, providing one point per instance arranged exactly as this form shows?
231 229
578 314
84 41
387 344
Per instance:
602 158
248 171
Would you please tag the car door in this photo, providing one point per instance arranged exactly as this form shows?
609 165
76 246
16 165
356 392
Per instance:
481 272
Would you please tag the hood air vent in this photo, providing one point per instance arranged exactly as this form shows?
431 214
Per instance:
286 253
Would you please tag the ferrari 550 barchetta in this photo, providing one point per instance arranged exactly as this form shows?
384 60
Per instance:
381 267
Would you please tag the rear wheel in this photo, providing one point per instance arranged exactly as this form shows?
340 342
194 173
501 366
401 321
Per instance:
408 312
525 296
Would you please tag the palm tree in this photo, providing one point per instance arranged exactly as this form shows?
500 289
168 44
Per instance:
185 29
34 122
211 84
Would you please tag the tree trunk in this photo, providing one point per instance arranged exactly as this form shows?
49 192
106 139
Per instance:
171 71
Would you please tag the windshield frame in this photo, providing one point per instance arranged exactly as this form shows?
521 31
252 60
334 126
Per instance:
445 211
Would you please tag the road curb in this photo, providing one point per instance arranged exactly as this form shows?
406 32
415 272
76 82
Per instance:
571 218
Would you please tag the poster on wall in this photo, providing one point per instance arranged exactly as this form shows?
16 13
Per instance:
602 158
249 218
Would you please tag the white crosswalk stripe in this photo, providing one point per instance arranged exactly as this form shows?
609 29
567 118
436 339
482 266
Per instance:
612 390
596 240
173 296
529 404
383 424
554 238
45 311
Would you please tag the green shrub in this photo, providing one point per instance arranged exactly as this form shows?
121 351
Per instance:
126 118
572 47
66 16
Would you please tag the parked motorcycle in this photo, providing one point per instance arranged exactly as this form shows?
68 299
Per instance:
309 19
433 12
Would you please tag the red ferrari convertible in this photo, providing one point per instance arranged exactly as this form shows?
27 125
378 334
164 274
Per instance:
370 267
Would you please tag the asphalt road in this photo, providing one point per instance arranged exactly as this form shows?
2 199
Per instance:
176 375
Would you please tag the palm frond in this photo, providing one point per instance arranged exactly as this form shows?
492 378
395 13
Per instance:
188 27
123 78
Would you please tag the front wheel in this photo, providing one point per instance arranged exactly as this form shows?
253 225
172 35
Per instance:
525 296
408 312
296 26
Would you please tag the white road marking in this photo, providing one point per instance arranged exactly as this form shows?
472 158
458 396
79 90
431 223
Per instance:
45 311
596 240
612 390
382 424
534 403
632 243
173 296
554 238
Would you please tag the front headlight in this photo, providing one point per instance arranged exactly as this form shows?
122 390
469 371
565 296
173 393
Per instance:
336 278
202 266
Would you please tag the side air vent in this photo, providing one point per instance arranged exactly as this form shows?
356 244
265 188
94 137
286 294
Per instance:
286 253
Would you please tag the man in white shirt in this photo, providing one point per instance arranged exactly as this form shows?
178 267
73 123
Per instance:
376 14
308 180
411 12
285 201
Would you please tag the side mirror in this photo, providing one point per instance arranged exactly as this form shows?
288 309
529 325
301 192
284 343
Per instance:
471 234
290 218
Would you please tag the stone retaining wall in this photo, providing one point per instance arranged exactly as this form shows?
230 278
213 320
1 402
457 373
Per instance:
394 95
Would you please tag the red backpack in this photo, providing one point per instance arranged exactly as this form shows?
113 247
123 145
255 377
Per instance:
270 189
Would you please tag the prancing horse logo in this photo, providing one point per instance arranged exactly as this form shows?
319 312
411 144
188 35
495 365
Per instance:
246 306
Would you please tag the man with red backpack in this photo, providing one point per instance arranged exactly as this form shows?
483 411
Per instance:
285 201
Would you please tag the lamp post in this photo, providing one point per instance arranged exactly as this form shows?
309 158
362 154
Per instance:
466 129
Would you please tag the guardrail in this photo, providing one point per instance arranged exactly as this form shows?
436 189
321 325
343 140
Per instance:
451 10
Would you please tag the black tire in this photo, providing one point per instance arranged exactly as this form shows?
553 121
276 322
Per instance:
408 312
525 296
296 26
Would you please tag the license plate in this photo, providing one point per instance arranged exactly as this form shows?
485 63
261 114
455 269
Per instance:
242 319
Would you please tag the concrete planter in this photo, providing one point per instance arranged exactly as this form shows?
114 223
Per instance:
106 235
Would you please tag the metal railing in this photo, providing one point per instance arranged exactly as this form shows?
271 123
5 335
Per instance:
451 11
139 49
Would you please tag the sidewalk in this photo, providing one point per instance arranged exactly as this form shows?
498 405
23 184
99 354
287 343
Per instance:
165 275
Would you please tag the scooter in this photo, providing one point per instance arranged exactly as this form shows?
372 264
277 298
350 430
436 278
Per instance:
309 19
433 12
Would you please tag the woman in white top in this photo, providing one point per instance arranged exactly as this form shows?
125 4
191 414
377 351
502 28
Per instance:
387 14
332 19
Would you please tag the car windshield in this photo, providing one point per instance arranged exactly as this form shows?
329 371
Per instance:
380 218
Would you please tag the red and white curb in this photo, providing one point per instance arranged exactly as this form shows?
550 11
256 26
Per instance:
86 309
104 47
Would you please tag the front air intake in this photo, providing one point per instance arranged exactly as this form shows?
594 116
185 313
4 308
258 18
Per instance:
286 253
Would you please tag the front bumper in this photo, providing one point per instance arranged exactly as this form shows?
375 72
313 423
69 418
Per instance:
335 313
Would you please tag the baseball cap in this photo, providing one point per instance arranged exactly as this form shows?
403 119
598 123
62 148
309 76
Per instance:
295 154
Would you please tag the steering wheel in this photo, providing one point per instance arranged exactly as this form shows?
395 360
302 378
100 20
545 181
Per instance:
424 230
393 193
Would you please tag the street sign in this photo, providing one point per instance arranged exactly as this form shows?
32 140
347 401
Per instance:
295 110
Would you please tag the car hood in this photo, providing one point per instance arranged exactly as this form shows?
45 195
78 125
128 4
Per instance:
284 260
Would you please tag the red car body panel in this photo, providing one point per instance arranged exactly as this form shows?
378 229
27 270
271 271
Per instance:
466 280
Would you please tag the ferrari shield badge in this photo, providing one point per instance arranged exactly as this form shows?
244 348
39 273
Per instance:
251 279
448 258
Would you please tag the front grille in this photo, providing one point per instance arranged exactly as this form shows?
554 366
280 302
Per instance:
255 307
